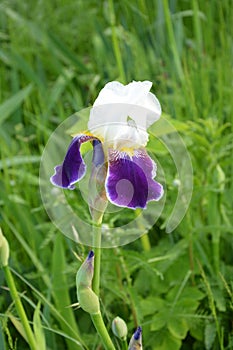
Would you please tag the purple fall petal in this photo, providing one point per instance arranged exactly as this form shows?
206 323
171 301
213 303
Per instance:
130 181
73 167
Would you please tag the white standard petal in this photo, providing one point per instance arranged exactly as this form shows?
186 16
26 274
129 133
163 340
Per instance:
121 136
149 110
116 104
115 92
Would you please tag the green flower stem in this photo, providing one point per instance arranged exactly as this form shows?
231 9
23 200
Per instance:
145 243
97 319
97 251
102 331
115 43
125 345
20 308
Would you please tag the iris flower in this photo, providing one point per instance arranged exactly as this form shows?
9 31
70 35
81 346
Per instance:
117 127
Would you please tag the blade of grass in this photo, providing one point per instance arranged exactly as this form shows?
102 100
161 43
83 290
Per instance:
17 61
38 329
61 291
47 39
30 253
18 161
197 26
115 43
57 315
171 37
12 103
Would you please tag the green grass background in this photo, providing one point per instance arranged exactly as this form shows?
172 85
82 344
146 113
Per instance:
55 56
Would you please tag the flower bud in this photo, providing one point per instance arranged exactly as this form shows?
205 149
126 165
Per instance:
119 328
87 299
136 340
86 271
4 250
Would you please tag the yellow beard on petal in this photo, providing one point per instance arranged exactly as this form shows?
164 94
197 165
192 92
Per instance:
127 150
83 133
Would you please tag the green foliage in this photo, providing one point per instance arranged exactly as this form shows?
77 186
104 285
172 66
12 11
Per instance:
55 57
38 329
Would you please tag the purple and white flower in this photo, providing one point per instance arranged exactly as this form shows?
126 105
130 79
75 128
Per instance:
117 127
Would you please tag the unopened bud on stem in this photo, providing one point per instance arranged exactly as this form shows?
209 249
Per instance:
86 271
4 250
87 299
119 328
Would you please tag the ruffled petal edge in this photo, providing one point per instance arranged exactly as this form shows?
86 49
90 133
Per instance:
129 181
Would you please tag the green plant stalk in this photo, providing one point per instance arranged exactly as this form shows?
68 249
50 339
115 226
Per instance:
125 345
115 42
197 26
216 251
172 40
97 251
190 240
145 243
98 322
214 219
20 309
97 319
216 233
142 7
